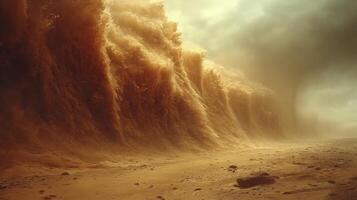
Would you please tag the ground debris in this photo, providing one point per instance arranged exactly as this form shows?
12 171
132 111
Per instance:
232 168
65 174
255 180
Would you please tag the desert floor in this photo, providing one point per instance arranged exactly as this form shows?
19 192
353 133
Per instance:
314 170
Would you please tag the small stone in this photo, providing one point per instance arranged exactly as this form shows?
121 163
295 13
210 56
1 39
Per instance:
65 174
3 187
331 182
233 168
255 180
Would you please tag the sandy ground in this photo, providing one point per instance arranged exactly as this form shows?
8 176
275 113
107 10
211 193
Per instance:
317 170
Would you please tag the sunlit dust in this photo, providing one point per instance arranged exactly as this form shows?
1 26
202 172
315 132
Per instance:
206 99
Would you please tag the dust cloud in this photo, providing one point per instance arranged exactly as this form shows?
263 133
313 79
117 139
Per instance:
177 99
81 78
289 46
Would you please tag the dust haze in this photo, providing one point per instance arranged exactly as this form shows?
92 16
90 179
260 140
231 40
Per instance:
204 99
292 46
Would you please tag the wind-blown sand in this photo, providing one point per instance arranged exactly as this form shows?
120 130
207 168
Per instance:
83 83
318 170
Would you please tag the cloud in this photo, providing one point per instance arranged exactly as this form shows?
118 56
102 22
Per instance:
283 44
271 36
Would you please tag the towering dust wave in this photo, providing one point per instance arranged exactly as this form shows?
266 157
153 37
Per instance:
95 75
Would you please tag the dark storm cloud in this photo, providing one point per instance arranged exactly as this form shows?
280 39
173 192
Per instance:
272 38
296 38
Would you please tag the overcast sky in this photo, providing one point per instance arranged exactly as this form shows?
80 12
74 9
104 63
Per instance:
309 47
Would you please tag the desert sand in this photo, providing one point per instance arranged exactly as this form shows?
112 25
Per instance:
104 100
314 170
